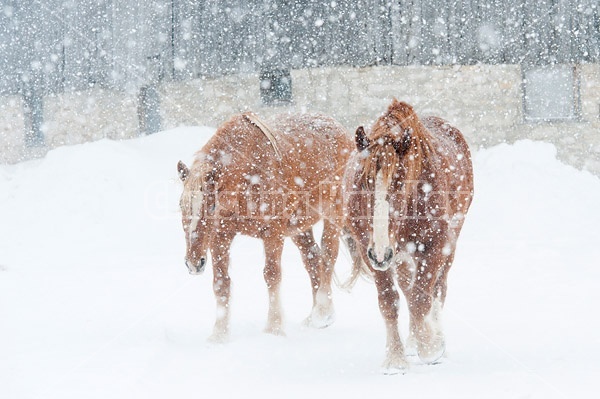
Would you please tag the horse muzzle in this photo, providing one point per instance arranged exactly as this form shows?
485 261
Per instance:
196 268
380 265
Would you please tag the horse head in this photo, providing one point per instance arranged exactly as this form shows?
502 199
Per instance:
198 213
381 166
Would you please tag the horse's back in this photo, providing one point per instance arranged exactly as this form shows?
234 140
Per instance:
277 167
312 131
310 147
313 145
453 159
450 137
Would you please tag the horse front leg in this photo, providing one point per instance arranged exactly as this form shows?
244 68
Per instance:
322 314
330 245
388 297
406 276
221 285
272 274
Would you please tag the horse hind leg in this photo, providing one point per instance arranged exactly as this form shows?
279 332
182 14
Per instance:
322 314
434 317
430 341
272 274
426 337
425 307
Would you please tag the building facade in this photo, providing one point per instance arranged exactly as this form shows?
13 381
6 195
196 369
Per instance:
82 70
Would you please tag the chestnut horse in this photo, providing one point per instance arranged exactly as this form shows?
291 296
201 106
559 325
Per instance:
407 191
268 181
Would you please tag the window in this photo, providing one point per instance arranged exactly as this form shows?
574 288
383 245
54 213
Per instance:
149 110
33 112
551 93
276 87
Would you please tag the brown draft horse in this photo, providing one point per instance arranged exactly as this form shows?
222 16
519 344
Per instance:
407 191
268 181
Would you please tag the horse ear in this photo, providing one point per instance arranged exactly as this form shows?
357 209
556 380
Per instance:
182 170
362 141
403 144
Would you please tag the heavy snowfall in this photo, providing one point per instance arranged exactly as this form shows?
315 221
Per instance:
95 297
96 300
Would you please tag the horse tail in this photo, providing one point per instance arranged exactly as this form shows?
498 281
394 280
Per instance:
359 268
256 121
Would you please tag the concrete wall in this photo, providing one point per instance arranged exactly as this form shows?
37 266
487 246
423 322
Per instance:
483 101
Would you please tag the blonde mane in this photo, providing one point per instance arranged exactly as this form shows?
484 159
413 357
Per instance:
399 145
204 164
196 177
196 181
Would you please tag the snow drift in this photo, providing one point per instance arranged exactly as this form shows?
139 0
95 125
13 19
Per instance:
95 300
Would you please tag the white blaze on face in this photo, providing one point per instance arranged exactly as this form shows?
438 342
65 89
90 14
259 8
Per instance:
195 216
381 218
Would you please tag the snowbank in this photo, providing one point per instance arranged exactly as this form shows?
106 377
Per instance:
95 300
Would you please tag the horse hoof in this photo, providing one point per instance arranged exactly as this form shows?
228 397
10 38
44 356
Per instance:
432 355
394 366
277 331
320 321
411 347
218 338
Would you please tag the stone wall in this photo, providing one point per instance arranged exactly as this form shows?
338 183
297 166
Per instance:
12 129
69 118
483 101
82 116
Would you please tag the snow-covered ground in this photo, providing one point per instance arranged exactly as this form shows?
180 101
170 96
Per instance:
95 301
